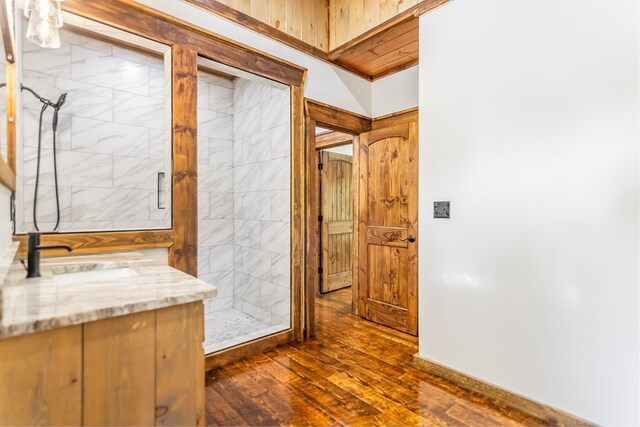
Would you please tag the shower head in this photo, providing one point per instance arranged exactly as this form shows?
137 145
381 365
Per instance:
61 100
56 107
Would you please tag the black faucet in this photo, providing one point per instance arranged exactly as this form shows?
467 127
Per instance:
33 253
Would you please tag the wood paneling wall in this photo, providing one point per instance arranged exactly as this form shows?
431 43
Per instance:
350 18
306 20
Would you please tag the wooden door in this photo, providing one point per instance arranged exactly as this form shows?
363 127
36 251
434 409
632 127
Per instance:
336 230
387 217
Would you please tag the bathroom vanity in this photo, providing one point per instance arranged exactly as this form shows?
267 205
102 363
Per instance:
102 340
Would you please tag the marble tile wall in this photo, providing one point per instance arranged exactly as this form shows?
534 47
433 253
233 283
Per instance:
243 196
112 137
215 188
262 200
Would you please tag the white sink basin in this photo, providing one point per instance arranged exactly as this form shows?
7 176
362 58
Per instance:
94 275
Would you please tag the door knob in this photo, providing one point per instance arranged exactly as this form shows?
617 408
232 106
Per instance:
409 239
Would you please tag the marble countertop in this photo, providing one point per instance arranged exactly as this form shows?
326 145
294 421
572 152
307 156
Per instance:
31 305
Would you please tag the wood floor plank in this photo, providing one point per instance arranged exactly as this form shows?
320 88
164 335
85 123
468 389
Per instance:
356 373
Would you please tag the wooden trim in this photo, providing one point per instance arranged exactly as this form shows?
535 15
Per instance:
395 69
324 115
183 255
108 241
129 15
312 228
332 139
267 30
361 165
258 26
355 236
7 177
366 37
298 212
548 414
336 118
397 118
223 357
11 114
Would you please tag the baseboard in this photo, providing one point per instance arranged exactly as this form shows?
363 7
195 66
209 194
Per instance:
550 415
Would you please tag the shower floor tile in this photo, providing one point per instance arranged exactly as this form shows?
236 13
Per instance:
230 327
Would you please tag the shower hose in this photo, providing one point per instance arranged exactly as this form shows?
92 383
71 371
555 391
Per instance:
54 126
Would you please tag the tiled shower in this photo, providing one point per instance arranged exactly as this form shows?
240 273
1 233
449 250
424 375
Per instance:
113 141
244 198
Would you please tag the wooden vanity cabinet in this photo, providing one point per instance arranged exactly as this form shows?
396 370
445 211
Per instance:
145 368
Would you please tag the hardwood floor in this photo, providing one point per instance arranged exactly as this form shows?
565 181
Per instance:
355 373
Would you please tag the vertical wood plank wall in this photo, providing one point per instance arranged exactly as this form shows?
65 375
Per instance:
350 18
303 19
325 24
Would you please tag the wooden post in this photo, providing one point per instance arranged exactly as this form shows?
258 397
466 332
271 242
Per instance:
183 255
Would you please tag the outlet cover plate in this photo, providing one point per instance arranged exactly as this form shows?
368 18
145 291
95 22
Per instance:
441 209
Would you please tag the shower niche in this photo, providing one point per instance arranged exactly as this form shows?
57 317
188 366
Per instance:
109 167
244 197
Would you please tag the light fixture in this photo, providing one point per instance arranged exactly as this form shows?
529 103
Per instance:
45 19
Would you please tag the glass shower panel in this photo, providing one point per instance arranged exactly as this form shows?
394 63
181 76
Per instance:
110 165
244 187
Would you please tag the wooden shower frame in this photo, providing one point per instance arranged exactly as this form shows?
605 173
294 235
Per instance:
187 43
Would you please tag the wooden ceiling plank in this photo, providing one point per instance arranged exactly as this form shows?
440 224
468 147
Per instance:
382 49
392 58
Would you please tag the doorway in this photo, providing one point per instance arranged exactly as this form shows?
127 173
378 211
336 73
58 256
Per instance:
369 250
335 165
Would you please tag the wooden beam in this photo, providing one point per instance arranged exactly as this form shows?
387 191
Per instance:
129 15
108 241
11 114
332 139
183 255
258 26
298 192
267 30
337 118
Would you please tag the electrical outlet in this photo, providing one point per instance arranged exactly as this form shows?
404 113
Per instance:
441 209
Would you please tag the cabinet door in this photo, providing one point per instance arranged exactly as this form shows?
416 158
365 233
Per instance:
180 365
119 370
41 378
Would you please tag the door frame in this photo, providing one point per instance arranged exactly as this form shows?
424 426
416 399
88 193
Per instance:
338 119
327 116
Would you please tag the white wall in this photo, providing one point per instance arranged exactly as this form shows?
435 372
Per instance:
325 83
529 126
394 93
